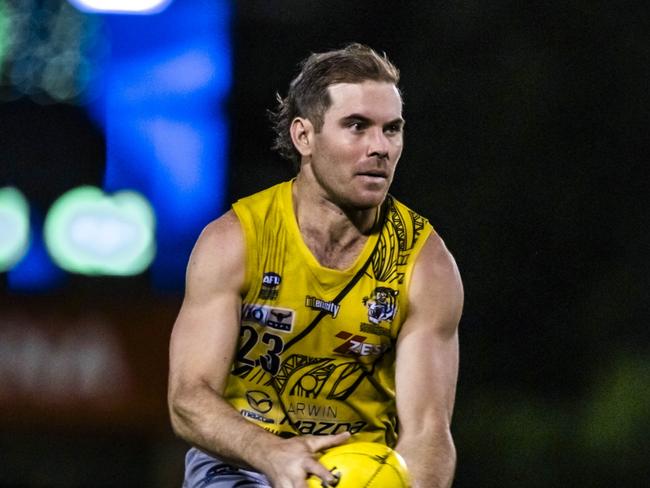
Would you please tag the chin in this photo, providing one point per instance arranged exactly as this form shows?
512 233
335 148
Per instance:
368 200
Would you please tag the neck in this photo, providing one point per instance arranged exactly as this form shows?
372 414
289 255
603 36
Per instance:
334 234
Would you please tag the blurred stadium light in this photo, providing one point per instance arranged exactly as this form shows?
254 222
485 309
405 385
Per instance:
44 50
121 6
89 232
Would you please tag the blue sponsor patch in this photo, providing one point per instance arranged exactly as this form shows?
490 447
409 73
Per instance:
281 319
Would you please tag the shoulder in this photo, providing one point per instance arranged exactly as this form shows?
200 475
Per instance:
222 234
218 257
437 261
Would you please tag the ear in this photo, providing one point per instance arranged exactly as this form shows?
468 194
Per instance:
302 135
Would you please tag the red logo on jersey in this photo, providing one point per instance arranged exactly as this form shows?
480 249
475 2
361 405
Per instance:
355 345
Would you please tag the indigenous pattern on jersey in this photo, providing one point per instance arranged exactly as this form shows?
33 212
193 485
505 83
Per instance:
293 376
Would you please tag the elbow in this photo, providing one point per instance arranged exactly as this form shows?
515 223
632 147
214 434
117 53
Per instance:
180 414
434 437
176 421
429 456
191 407
175 418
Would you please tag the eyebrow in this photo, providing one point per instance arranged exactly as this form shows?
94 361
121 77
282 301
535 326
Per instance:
362 118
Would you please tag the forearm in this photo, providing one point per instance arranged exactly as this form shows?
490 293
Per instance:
207 421
430 457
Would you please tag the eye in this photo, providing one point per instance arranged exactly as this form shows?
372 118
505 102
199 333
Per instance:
357 126
393 129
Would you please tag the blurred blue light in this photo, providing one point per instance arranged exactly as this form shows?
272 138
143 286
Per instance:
161 99
35 272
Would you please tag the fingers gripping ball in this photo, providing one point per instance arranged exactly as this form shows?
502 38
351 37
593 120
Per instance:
364 465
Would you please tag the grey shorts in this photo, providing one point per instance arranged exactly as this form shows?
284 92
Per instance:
202 470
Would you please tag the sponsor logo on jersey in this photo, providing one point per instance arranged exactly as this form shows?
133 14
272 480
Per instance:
381 305
270 283
256 416
281 319
259 401
305 427
319 304
356 345
310 410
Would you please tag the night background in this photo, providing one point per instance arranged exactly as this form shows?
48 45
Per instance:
526 139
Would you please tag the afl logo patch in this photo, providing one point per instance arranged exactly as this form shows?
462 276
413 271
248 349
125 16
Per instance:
271 279
270 283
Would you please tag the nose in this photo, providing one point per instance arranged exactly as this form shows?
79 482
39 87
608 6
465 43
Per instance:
377 143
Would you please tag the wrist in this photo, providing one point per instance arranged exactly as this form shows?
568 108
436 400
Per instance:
259 449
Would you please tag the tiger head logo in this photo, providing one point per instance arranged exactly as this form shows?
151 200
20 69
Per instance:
381 305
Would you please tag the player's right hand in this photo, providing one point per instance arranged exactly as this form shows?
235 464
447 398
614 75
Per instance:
291 461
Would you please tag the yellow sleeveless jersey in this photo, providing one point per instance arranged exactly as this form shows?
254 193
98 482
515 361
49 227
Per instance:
316 352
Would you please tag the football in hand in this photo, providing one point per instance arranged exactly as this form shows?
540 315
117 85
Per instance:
364 465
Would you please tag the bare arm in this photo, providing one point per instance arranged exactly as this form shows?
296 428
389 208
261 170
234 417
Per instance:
202 350
427 367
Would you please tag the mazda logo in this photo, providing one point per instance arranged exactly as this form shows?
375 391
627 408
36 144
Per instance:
259 401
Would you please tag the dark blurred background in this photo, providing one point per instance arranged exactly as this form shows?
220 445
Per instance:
526 139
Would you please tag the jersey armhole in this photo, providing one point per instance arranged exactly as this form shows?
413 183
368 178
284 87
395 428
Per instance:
246 224
427 232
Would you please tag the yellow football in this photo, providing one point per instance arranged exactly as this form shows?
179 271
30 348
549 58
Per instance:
364 465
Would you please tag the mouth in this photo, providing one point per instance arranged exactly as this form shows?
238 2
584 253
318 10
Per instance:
374 174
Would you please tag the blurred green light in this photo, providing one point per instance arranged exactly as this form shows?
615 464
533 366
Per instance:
89 232
47 50
14 227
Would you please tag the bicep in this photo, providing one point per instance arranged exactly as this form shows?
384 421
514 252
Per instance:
205 333
427 347
426 373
